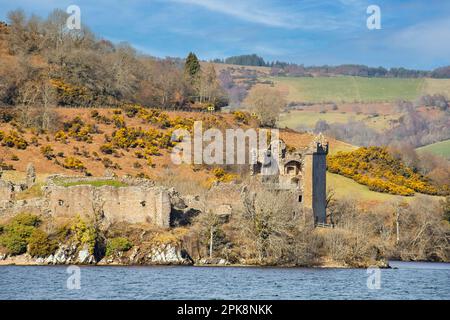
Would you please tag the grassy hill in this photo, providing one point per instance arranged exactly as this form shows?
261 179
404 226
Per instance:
357 89
308 119
439 148
348 89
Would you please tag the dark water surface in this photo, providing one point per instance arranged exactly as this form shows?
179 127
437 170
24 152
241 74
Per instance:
409 281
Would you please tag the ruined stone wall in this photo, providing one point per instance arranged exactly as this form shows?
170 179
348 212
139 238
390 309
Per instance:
132 204
6 191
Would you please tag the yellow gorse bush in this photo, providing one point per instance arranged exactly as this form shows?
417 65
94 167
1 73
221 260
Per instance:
13 140
376 168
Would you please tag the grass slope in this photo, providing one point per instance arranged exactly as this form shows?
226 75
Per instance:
308 119
439 148
347 188
351 89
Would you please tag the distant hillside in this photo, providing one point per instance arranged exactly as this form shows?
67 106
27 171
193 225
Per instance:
357 89
280 68
439 148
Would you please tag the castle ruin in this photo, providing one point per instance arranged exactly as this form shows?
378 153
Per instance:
300 173
303 173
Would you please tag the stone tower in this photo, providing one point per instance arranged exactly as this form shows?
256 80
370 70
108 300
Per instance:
314 178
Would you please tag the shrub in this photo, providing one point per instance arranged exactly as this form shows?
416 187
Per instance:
380 171
446 207
152 151
47 151
35 141
137 165
39 245
107 163
77 129
107 148
73 163
14 140
26 219
14 243
14 157
242 117
142 175
131 110
116 245
119 121
16 233
84 234
222 176
61 136
94 114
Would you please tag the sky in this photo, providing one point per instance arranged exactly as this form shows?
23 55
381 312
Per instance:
414 33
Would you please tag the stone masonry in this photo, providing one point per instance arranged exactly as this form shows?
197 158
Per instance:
301 173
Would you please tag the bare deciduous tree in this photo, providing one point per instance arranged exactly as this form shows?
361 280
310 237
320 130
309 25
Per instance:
266 104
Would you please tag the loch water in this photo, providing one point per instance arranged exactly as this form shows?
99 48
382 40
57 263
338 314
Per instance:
404 281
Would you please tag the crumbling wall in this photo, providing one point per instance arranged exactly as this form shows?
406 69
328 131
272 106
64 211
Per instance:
132 204
6 191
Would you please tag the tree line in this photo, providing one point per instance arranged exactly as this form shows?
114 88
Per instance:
280 68
46 65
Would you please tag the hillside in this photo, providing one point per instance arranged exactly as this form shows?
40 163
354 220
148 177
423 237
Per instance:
439 148
381 171
95 158
86 134
357 89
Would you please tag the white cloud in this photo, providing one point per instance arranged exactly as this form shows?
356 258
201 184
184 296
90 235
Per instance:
306 14
245 10
430 38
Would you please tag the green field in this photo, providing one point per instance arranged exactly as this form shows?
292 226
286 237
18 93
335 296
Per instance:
439 148
345 187
94 183
356 89
308 119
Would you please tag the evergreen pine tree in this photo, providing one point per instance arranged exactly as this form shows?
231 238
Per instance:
192 66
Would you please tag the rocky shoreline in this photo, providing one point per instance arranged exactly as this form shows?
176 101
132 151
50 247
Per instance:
166 255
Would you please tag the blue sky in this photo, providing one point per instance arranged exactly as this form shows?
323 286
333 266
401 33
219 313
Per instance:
414 34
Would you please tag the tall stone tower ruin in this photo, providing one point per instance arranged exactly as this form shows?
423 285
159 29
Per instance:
314 179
